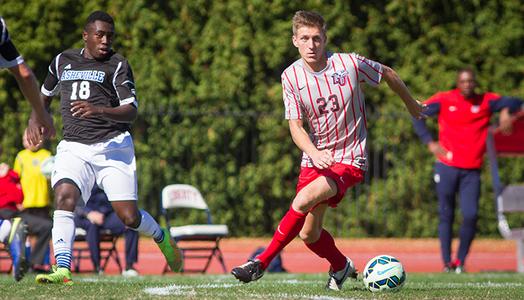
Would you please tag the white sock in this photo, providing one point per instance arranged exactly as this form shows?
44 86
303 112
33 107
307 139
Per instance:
150 227
63 237
5 229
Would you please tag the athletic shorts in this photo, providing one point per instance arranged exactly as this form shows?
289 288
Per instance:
110 164
345 176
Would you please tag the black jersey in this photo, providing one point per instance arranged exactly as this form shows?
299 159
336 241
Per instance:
103 83
9 56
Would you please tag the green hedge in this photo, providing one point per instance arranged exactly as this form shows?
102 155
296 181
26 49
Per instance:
211 113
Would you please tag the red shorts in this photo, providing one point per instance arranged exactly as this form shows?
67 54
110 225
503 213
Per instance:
345 176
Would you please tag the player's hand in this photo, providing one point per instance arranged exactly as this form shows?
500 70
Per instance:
38 131
95 217
505 122
84 109
437 149
35 136
417 109
323 159
48 128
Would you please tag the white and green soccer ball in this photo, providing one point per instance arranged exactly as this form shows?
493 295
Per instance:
384 273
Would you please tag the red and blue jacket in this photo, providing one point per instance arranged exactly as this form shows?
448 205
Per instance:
463 124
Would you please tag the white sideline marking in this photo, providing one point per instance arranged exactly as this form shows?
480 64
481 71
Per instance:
170 290
180 290
488 284
296 281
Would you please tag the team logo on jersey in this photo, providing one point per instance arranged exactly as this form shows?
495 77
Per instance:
90 75
67 67
475 109
452 108
340 77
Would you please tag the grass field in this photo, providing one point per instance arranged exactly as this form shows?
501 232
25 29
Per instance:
271 286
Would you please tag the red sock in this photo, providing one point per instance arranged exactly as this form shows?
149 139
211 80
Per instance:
287 230
325 247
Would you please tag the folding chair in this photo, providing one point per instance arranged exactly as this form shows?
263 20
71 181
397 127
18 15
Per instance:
107 249
510 198
196 241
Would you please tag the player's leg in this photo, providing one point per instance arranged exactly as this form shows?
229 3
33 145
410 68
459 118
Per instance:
63 234
446 180
72 179
318 240
63 231
116 172
143 222
469 193
318 190
13 234
5 230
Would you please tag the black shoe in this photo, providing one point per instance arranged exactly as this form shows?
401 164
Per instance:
250 271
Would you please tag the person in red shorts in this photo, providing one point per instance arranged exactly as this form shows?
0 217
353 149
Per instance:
325 89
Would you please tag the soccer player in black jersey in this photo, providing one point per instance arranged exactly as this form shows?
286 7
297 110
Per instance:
13 61
97 104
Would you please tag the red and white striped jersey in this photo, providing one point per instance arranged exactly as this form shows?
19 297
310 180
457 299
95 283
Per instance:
332 101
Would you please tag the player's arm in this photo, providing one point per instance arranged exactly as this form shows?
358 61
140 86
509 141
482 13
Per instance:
13 61
415 108
321 158
398 86
506 106
432 108
372 72
123 113
29 86
125 89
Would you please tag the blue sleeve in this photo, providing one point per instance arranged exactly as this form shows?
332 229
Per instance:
420 125
99 202
82 210
514 104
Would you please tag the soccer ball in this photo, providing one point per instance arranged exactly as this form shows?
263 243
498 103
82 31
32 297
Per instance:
47 166
384 273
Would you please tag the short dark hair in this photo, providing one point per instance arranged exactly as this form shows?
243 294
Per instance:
467 69
99 16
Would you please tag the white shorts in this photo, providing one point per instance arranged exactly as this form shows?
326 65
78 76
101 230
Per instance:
110 164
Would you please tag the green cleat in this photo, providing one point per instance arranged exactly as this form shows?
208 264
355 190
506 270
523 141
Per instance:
57 275
171 252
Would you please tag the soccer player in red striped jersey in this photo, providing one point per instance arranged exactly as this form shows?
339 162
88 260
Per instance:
326 90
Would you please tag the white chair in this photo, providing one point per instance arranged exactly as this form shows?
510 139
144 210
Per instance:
510 198
196 241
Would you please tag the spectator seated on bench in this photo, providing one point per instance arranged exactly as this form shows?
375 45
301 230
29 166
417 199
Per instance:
100 223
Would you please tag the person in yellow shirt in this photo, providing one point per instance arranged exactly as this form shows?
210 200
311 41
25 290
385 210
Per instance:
34 183
36 204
